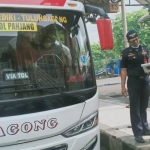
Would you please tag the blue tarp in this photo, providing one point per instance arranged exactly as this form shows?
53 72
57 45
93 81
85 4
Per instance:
116 62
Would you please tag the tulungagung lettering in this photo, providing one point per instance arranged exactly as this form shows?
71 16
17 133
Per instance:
27 127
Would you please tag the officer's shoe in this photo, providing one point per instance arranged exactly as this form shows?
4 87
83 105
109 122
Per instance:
147 133
139 139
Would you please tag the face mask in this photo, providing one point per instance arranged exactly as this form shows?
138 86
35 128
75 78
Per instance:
47 45
136 46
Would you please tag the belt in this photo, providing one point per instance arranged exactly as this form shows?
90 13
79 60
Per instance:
141 77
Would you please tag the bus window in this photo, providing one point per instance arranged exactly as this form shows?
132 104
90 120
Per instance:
45 57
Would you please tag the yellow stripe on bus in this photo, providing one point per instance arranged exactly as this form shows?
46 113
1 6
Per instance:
18 26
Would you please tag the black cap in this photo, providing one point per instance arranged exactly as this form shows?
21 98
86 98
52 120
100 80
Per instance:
132 35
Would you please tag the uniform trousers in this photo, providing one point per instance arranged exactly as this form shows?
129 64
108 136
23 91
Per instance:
138 89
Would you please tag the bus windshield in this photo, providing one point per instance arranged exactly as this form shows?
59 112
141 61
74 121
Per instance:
43 54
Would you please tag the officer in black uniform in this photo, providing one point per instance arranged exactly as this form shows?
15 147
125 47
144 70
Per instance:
137 84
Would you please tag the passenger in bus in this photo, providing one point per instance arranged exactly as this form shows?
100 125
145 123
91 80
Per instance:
25 54
49 45
17 50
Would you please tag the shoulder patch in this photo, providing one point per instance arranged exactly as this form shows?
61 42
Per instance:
145 48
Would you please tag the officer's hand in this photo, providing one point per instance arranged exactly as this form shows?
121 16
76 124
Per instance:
148 67
124 92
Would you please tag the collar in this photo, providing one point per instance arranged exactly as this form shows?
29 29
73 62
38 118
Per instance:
136 49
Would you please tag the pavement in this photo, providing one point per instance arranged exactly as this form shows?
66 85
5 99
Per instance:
115 126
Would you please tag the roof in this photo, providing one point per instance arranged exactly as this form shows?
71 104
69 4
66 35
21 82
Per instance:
144 18
35 2
143 2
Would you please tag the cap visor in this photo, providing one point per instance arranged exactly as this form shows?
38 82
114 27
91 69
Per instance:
133 39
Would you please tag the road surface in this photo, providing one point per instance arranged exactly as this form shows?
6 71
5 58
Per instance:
109 85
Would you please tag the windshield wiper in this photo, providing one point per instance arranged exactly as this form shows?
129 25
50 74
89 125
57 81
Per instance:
81 94
29 90
81 98
16 85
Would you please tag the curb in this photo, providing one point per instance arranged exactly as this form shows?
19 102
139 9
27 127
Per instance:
113 139
108 84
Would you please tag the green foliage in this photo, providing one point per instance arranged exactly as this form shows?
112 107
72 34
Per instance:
132 19
101 58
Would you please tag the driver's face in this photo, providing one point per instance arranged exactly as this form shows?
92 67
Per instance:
47 40
47 43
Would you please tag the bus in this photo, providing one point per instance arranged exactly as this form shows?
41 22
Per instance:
48 92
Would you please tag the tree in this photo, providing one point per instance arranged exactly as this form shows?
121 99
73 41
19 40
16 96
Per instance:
132 19
101 58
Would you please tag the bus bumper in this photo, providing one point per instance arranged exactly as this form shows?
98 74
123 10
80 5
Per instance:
89 140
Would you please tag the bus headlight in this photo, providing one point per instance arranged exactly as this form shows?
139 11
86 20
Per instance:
83 126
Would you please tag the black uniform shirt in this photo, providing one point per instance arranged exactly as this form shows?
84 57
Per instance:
132 58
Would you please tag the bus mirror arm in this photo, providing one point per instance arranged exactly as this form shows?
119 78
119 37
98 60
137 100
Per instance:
95 10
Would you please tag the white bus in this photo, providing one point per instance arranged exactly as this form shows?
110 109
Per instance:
48 93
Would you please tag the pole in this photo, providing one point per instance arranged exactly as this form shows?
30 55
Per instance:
124 22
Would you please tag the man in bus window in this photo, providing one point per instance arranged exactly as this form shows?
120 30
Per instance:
51 46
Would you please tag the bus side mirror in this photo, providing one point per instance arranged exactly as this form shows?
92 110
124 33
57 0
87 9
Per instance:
104 27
